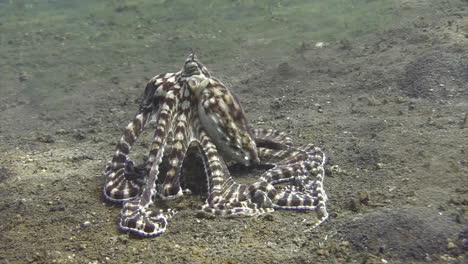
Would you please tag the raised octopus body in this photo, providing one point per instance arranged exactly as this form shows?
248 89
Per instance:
191 107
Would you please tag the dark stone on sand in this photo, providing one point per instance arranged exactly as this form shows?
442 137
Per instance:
402 233
436 75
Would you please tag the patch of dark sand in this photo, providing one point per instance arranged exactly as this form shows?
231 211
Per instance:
5 174
405 233
436 75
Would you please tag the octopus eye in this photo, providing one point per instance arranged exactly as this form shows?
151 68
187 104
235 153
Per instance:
204 83
197 84
190 67
193 83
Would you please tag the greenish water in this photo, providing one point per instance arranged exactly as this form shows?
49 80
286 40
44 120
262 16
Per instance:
65 44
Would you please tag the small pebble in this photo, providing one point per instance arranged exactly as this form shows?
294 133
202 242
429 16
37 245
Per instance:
319 108
451 245
123 239
86 224
354 205
269 217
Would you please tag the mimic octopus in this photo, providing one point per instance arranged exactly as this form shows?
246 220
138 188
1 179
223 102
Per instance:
192 108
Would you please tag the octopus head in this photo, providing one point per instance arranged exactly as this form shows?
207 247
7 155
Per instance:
194 67
196 75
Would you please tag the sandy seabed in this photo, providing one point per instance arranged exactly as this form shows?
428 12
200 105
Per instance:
389 109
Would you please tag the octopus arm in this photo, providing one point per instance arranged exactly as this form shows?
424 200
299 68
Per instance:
225 122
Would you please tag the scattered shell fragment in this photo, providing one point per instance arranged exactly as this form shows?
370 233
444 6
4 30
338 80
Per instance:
321 44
